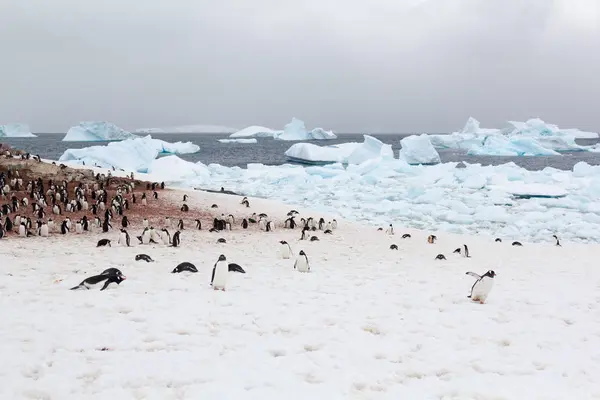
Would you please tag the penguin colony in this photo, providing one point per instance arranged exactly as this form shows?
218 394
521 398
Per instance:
51 204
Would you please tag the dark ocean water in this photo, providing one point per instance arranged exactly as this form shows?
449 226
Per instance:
271 152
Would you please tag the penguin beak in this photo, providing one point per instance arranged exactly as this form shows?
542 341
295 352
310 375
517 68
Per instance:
124 277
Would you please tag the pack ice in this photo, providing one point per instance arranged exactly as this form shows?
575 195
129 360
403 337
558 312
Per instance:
15 130
293 131
130 154
418 150
345 153
94 131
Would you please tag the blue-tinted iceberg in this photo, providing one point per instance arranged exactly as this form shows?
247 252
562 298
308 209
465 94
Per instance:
173 169
97 131
16 130
296 130
345 153
254 132
130 154
417 149
247 141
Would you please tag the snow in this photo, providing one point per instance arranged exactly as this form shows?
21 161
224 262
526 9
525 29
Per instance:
531 138
418 150
253 132
189 129
366 323
296 130
94 131
345 153
247 141
15 130
130 154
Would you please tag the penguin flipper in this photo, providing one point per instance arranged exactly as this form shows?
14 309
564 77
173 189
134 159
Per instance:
213 274
295 262
473 274
105 284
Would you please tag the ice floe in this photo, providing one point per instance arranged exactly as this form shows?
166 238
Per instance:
16 131
345 153
97 131
418 150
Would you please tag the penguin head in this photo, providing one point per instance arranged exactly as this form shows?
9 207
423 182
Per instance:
222 258
283 242
302 253
490 273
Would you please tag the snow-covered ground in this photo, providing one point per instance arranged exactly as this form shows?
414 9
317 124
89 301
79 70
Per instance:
366 323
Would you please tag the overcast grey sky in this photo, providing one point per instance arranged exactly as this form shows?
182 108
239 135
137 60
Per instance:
348 65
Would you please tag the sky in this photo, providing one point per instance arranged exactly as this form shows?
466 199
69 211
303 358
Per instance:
355 66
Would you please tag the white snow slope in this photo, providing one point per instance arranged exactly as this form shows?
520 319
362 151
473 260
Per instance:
366 323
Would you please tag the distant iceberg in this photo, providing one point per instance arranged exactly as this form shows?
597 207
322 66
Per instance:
296 131
97 131
189 129
248 141
417 149
130 154
254 132
16 131
345 153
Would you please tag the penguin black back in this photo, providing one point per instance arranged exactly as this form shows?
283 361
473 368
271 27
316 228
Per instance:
184 266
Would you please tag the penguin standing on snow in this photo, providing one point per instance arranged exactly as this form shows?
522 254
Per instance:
175 241
482 286
301 264
557 241
220 274
245 223
284 249
390 230
144 201
124 238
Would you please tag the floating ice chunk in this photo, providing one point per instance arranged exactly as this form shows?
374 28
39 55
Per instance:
189 129
130 155
499 145
97 131
370 149
254 131
417 149
345 153
296 130
15 130
248 141
173 169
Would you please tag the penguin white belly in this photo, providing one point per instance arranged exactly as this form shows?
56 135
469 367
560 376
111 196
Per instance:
122 239
221 274
44 231
144 202
301 264
482 289
165 238
262 225
284 251
22 231
154 236
78 228
145 223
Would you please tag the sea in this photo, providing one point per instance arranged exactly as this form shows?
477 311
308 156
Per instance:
271 152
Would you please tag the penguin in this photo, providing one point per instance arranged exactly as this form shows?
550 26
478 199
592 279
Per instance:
328 232
143 257
290 223
431 239
466 251
185 208
106 279
51 225
103 242
124 221
64 227
166 237
285 251
198 225
301 264
440 257
321 223
390 230
221 240
168 222
78 227
220 274
498 240
175 241
8 225
154 236
394 247
517 244
111 271
145 238
334 224
155 195
106 225
246 202
314 239
482 286
233 267
269 227
557 241
180 225
214 206
22 230
43 232
124 238
184 267
262 225
144 201
245 223
304 235
329 227
406 236
85 223
185 197
145 222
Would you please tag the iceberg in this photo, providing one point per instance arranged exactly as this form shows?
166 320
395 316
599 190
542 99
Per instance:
93 131
254 132
417 149
345 153
189 129
248 141
173 169
296 131
130 154
498 145
16 130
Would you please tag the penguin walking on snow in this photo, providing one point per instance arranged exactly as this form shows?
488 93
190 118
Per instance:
285 251
96 280
482 286
301 264
220 273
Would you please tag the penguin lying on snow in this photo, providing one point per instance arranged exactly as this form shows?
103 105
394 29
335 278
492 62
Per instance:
103 242
482 287
144 257
440 257
393 247
185 266
106 278
406 236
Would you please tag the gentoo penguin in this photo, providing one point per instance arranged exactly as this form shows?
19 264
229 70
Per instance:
245 223
166 237
78 227
221 240
180 225
328 232
334 224
314 239
175 242
290 223
124 238
168 222
43 231
185 208
557 241
245 202
64 228
143 257
517 244
431 239
145 222
220 274
214 206
103 242
155 195
22 230
406 236
390 230
8 225
285 251
184 266
185 197
124 221
498 240
262 224
329 226
482 287
466 251
304 235
301 264
198 224
233 267
440 257
144 201
106 225
111 271
269 227
393 247
106 279
154 236
85 223
321 223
